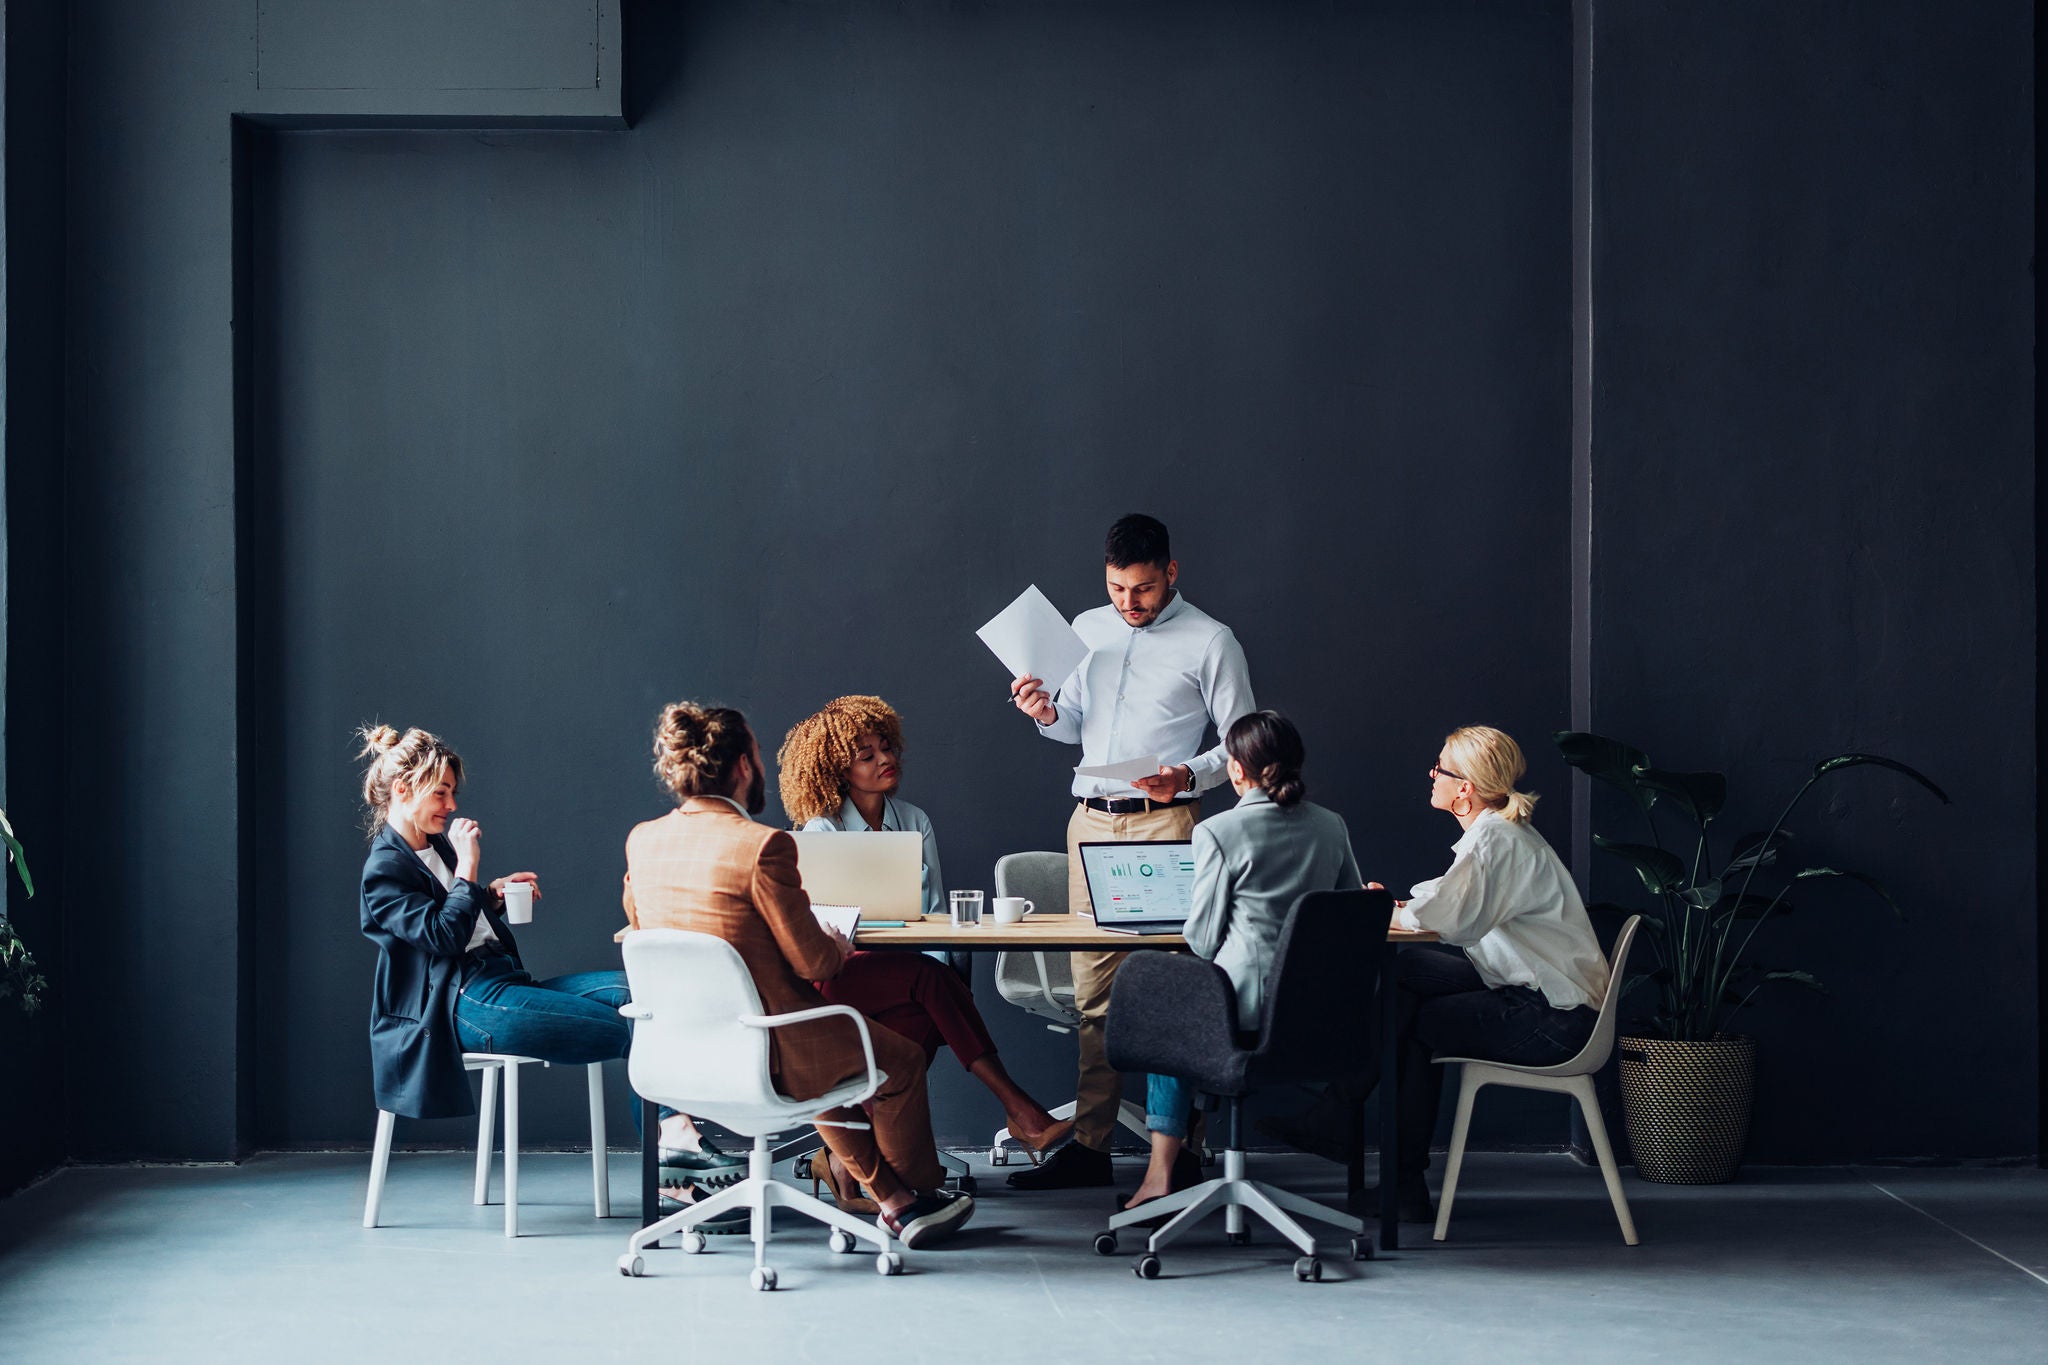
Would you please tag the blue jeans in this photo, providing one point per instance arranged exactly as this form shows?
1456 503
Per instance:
570 1019
1168 1102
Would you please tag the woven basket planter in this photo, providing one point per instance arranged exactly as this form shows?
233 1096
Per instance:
1687 1106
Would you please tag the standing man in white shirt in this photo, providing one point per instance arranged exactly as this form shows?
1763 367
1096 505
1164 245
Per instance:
1159 674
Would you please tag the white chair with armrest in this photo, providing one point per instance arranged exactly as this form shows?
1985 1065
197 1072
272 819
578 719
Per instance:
1042 984
700 1046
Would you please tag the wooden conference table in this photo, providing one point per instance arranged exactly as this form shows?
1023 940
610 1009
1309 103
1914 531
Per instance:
1067 933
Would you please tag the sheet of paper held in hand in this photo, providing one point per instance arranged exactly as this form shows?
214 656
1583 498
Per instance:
1031 637
1130 770
844 918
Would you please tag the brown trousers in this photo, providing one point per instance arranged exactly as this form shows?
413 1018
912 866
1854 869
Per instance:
901 1113
1099 1088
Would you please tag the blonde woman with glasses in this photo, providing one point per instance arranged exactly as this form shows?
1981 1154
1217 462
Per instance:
1518 976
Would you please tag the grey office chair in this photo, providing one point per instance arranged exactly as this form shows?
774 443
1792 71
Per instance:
1042 984
1177 1016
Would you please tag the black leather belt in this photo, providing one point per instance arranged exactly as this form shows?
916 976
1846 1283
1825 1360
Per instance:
1129 805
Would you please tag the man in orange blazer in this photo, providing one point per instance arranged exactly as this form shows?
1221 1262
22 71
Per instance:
708 868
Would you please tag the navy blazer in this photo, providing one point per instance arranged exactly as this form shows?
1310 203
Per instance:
422 932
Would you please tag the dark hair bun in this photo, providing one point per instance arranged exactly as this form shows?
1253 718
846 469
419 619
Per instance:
1268 747
696 746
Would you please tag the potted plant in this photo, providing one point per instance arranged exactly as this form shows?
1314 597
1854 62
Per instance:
1686 1076
19 975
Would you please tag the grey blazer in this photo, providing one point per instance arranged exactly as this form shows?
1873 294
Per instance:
1251 863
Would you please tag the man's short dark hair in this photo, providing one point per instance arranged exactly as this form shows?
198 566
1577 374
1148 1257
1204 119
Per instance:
1137 539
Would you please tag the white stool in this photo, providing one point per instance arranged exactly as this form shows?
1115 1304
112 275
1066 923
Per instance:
492 1065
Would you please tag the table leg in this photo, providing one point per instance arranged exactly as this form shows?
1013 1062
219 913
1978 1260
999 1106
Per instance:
1390 1108
650 1163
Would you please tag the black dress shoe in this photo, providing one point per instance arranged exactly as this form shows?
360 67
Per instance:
1072 1167
1411 1202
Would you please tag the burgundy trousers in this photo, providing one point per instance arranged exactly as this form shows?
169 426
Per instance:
917 997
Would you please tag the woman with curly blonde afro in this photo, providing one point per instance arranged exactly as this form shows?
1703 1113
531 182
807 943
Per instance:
839 771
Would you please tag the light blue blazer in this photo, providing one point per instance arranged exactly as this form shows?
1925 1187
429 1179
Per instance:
896 815
1251 863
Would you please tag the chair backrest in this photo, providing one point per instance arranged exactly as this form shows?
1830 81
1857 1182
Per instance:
1322 1015
691 1052
1600 1046
1039 877
1026 979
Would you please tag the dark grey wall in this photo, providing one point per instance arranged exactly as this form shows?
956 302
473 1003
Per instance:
32 1137
865 325
962 286
1813 450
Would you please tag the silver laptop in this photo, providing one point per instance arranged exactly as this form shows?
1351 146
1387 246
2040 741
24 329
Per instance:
1141 887
881 871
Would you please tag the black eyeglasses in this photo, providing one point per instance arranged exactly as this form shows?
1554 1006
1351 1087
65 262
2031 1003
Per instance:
1438 770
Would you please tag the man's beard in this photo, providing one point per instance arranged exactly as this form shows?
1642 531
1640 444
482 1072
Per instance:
757 793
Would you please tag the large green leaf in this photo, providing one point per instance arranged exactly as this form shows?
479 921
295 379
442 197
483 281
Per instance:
1750 851
1700 795
1660 869
1704 895
1873 883
15 854
1606 760
1839 761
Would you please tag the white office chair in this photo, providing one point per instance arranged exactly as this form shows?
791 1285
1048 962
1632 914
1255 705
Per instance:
493 1065
1574 1078
1042 984
700 1045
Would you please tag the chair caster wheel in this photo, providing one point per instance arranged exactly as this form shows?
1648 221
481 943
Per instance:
966 1185
840 1242
1238 1239
762 1277
694 1243
1105 1244
998 1156
1147 1267
889 1263
1308 1268
631 1266
1361 1248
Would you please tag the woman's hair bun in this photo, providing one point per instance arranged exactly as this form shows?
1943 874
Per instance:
377 739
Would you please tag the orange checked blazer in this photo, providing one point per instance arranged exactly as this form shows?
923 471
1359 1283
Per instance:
706 867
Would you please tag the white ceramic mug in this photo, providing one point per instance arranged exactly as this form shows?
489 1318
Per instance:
518 902
1010 909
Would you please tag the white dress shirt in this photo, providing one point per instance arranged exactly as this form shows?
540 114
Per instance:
1510 904
478 936
896 815
1151 690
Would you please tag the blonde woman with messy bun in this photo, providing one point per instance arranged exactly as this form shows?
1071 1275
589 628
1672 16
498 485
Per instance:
449 978
1518 976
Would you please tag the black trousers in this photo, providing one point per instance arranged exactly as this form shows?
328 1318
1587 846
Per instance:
1444 1009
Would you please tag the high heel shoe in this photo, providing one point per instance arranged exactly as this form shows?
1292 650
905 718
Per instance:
818 1167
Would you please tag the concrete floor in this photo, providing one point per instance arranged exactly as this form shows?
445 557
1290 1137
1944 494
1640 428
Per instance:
267 1262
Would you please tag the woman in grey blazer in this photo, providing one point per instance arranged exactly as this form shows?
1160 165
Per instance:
1251 864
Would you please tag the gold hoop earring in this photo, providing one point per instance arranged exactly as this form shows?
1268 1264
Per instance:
1461 814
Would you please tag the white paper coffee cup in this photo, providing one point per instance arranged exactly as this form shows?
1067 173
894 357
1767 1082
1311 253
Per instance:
518 902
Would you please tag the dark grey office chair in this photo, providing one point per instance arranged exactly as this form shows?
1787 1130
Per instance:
1177 1015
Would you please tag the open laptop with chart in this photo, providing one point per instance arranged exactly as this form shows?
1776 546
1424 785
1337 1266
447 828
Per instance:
881 871
1141 887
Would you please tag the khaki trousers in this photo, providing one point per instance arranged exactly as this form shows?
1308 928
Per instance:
1099 1088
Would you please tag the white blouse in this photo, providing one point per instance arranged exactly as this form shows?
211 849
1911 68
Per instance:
1509 903
478 936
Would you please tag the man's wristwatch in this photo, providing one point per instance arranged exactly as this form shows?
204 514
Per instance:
1191 778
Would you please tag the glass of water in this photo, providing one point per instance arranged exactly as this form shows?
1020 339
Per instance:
966 907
